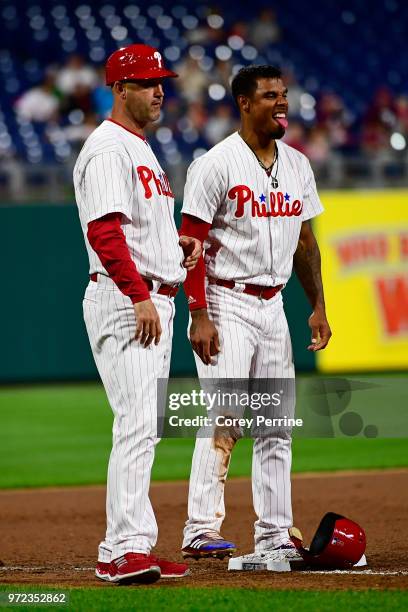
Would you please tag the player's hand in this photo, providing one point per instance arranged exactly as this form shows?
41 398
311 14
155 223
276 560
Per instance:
321 332
148 326
204 336
192 250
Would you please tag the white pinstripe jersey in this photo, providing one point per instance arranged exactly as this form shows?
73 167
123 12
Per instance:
255 228
117 171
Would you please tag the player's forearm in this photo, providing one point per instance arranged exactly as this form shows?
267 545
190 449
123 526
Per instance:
194 285
307 265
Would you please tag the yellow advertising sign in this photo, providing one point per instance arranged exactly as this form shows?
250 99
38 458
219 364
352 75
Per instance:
363 238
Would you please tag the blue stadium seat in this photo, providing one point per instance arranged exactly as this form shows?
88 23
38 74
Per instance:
341 47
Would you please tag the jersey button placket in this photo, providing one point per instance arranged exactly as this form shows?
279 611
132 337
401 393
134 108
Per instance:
273 229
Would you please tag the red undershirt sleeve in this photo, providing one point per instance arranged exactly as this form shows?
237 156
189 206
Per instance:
194 285
107 239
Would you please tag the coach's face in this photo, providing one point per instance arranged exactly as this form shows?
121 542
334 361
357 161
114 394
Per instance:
143 100
267 108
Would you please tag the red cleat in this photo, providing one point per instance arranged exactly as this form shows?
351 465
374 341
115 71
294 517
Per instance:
169 569
133 568
102 571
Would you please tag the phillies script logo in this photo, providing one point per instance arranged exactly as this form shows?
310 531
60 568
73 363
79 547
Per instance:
279 204
150 181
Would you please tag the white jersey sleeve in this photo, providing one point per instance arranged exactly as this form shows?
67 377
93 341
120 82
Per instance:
108 186
204 189
312 205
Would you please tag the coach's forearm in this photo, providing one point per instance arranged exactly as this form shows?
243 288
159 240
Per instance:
307 265
107 239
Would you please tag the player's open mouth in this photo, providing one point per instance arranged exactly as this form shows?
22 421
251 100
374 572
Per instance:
281 119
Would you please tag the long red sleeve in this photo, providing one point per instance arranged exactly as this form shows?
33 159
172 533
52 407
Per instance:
194 285
107 239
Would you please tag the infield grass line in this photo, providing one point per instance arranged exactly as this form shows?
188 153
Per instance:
244 479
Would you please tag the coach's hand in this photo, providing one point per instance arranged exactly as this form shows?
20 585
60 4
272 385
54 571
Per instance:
192 250
204 336
148 326
321 332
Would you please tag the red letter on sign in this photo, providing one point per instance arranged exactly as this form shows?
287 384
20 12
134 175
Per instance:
393 294
404 245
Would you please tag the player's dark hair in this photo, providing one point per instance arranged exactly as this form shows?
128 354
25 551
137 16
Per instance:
244 82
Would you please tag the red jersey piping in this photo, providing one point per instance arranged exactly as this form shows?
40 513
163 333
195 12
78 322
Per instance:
127 129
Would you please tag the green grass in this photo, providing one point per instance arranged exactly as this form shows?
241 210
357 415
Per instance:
227 600
61 435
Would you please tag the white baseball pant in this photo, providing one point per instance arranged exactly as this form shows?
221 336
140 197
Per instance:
129 374
255 343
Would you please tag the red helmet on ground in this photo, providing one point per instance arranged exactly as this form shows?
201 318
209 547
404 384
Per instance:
338 543
136 62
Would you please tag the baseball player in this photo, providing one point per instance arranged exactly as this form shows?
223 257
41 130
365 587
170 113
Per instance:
136 263
249 200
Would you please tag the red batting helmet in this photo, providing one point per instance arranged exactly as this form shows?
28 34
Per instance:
136 62
338 543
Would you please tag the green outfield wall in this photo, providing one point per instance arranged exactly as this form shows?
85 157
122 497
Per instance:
45 271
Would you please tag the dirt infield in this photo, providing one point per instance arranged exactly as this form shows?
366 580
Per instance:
50 536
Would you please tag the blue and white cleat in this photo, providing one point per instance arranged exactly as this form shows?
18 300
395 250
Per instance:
208 545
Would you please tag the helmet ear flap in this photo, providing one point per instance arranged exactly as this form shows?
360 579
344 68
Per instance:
324 533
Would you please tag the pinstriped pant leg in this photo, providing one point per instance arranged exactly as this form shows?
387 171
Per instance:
210 463
129 373
272 456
